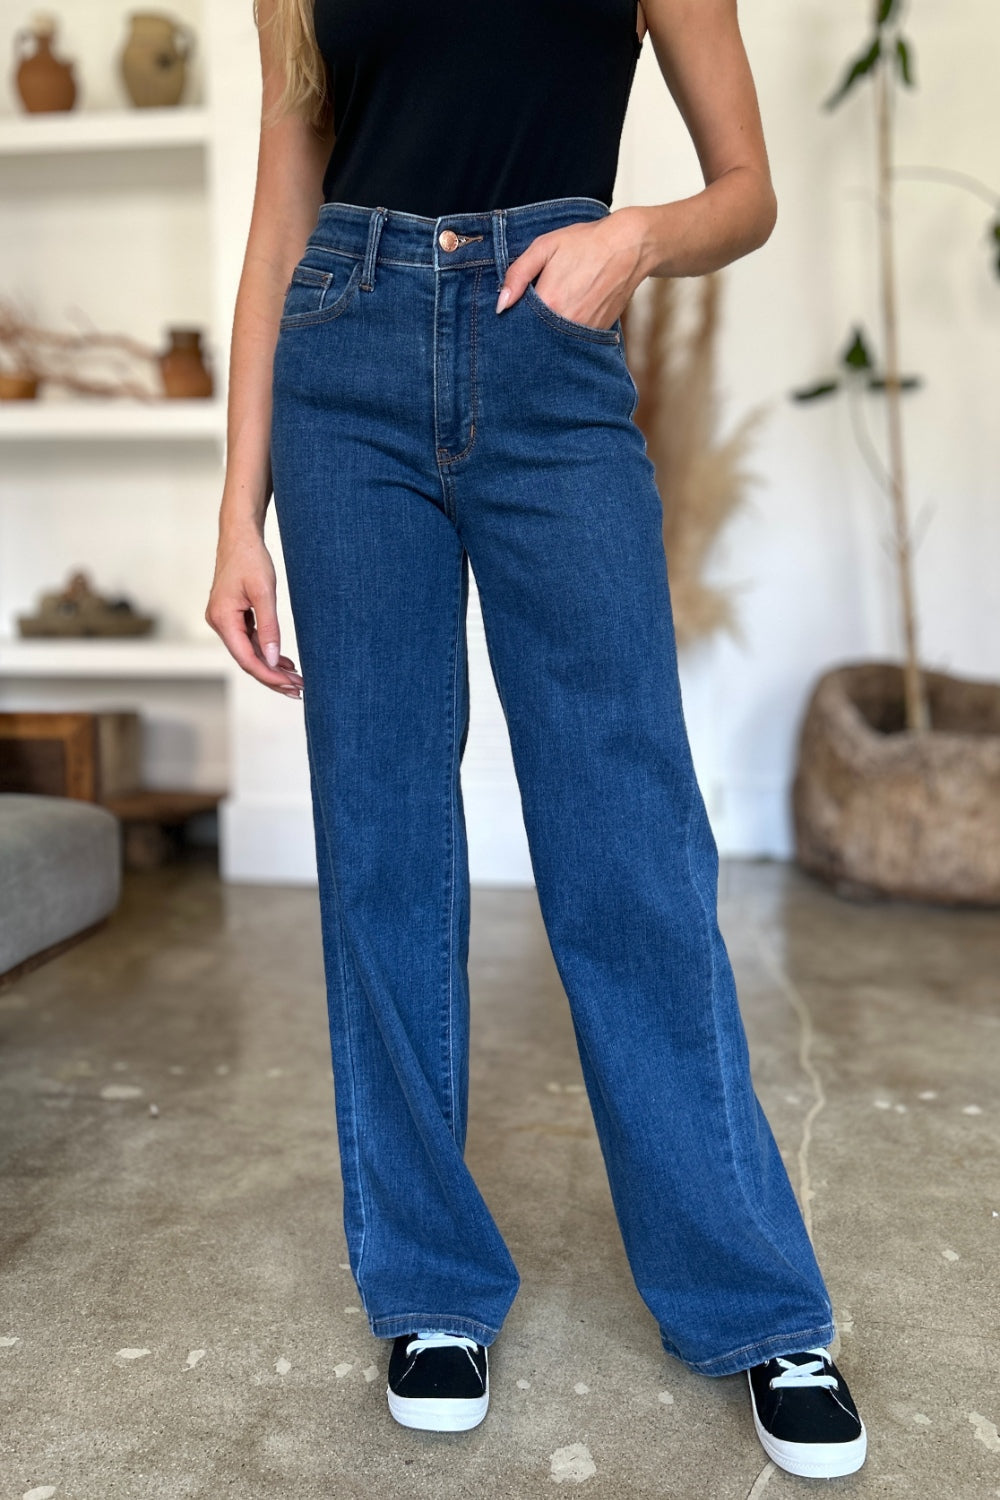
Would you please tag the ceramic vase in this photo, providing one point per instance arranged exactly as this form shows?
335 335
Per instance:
44 83
154 59
182 366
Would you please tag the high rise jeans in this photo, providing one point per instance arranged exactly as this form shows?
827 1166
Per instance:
416 431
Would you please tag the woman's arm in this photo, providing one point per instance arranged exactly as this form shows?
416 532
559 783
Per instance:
700 52
592 268
291 159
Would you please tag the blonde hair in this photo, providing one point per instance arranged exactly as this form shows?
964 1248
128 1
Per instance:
294 43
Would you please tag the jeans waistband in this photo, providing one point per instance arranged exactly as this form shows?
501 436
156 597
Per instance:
496 236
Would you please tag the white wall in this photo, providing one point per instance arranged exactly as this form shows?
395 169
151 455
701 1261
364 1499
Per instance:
807 549
810 544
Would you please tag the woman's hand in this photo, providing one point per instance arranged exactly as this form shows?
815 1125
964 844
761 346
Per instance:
242 609
588 270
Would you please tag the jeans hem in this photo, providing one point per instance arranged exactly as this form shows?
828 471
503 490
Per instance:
392 1326
747 1355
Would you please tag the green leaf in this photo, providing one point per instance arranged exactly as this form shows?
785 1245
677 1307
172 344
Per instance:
884 11
856 356
903 61
858 68
813 392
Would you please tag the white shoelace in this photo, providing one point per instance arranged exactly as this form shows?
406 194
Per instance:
432 1340
810 1376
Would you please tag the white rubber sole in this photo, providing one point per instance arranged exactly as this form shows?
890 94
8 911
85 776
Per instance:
430 1415
812 1460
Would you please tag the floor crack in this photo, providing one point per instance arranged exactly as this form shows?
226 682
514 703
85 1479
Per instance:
762 1481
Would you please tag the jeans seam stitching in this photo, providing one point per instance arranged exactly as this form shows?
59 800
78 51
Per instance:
434 376
804 1334
474 404
757 1212
452 813
628 371
443 455
429 1319
347 1034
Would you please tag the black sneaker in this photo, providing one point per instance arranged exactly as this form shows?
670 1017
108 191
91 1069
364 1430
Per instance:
438 1381
805 1417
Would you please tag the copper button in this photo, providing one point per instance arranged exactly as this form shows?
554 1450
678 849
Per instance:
448 239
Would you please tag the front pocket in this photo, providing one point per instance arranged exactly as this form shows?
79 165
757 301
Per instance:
316 295
555 320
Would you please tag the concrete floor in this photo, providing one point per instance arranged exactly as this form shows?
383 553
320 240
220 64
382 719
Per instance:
207 1236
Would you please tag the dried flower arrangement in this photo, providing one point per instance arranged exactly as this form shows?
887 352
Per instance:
701 477
31 355
28 350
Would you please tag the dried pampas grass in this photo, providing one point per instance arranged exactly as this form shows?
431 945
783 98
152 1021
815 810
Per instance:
701 478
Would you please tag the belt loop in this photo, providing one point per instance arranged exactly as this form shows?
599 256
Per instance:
375 226
500 242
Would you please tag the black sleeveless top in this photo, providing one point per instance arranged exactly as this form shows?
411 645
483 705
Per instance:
461 106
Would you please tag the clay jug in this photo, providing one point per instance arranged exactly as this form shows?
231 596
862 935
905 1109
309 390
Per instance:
182 366
154 58
43 82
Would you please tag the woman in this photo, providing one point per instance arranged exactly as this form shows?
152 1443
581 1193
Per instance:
428 371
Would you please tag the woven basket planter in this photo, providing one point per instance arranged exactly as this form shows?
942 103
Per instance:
878 810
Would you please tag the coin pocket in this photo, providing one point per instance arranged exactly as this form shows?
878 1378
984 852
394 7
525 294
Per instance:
315 294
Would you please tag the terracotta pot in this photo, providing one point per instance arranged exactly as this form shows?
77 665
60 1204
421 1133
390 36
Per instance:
182 367
18 387
154 58
880 810
43 82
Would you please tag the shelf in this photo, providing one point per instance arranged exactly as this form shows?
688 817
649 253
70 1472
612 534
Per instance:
126 129
139 658
169 418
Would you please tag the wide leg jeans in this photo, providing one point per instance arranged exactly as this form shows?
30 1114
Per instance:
417 432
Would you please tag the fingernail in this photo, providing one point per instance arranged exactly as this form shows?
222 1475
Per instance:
271 653
503 298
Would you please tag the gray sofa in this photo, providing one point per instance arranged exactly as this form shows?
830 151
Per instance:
60 874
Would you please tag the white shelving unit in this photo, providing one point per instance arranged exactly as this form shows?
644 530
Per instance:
91 419
123 130
105 130
115 659
138 217
153 169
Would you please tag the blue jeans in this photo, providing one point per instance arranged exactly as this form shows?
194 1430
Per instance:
414 431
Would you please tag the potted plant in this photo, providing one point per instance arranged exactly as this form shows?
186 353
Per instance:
897 783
